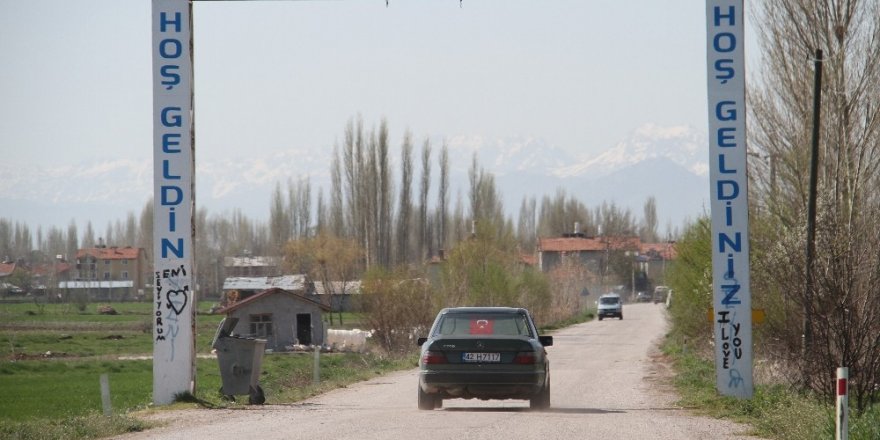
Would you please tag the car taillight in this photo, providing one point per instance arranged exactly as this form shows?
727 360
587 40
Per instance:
524 358
433 357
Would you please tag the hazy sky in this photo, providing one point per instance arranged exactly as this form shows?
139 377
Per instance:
278 79
75 81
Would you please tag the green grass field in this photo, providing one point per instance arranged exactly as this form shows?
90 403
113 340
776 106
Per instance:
54 354
61 331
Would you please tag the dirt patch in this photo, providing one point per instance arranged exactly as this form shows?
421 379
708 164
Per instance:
40 356
660 372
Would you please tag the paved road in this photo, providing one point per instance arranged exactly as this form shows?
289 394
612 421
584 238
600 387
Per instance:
606 379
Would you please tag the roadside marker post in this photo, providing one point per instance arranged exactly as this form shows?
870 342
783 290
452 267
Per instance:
105 394
842 413
316 371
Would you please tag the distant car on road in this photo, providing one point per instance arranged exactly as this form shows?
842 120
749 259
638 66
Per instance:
660 294
609 306
484 353
643 297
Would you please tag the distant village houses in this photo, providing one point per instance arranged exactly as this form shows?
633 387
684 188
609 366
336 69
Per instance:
648 261
109 273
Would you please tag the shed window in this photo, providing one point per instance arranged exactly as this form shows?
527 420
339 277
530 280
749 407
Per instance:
261 325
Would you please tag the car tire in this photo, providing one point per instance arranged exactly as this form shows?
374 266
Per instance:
620 316
542 399
600 317
427 402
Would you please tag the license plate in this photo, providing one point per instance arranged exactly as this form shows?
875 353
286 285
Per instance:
481 357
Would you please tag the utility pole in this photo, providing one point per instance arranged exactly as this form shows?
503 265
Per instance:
811 209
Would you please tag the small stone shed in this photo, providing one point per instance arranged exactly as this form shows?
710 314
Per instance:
282 317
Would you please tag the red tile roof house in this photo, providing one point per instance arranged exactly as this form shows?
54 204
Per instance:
6 269
658 256
591 252
7 288
110 273
48 276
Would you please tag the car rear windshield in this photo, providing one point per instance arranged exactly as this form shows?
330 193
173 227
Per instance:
608 301
507 324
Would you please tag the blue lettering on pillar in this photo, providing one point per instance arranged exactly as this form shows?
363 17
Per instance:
170 140
730 16
726 110
173 120
170 48
727 137
166 173
724 241
722 168
724 42
167 246
732 189
177 22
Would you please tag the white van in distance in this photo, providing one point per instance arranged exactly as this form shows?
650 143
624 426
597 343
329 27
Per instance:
610 305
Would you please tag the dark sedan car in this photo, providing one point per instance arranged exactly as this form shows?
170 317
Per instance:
484 353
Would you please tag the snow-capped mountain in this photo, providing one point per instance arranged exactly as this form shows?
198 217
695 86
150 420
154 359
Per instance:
681 145
504 156
668 163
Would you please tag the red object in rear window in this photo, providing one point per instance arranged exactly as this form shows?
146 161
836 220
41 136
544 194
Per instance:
481 326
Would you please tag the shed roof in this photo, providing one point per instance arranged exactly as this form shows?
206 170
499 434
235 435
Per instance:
257 261
95 284
286 282
350 287
267 293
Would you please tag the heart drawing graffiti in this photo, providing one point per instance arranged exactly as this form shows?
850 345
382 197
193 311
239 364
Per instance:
177 299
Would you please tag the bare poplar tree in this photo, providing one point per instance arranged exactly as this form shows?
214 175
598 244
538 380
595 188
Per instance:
55 243
615 221
460 224
337 197
6 241
384 194
108 238
648 231
144 235
527 231
370 199
559 214
322 212
88 240
474 187
279 222
845 318
404 210
424 237
304 207
443 199
352 159
131 229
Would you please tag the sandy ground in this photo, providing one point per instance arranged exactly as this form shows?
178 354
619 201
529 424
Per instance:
608 381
